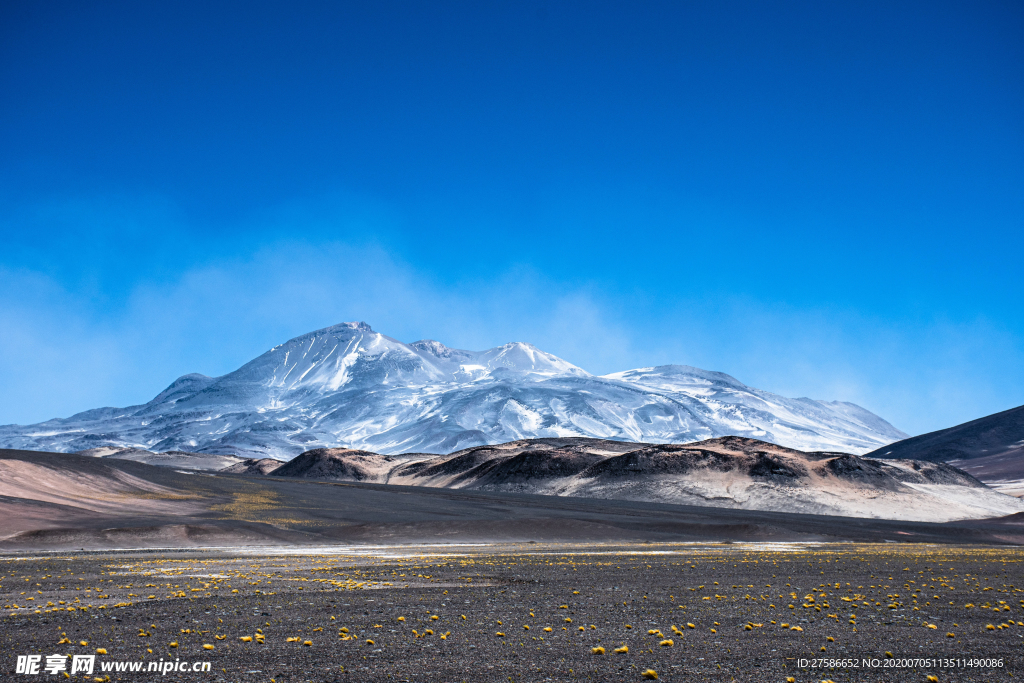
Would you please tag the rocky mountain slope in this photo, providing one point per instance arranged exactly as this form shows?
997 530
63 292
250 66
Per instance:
255 466
990 448
179 459
729 472
68 502
1003 472
998 434
348 386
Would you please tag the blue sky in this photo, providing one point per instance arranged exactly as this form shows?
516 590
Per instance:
821 199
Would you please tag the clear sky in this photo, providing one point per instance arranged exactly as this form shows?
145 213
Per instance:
823 199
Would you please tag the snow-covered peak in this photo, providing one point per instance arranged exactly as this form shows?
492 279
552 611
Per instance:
434 348
679 378
520 357
335 357
347 385
339 331
183 387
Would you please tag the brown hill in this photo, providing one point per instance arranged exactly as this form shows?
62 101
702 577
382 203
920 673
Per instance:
57 500
341 464
730 472
259 466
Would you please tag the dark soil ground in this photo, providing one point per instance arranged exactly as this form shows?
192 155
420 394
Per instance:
460 613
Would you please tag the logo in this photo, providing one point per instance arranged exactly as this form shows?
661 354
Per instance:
55 664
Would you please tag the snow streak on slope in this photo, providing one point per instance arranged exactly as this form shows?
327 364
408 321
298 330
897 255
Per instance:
349 386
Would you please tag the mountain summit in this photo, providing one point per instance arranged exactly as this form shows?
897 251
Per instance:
349 386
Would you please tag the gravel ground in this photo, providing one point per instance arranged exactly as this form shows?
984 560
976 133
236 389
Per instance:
686 612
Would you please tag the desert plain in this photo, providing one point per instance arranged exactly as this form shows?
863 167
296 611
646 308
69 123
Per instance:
282 580
527 612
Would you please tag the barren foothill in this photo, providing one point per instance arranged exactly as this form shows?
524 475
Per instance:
133 505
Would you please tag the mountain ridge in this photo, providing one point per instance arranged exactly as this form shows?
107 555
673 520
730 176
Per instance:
990 448
1001 433
724 472
347 385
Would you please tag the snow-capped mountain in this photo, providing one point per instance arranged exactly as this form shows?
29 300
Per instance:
347 385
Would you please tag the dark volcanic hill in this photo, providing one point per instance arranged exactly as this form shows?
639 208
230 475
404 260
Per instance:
732 472
989 448
51 501
999 434
343 464
253 466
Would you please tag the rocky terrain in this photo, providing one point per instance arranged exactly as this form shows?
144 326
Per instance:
526 612
253 466
990 448
1004 472
348 386
731 472
56 501
999 434
180 459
